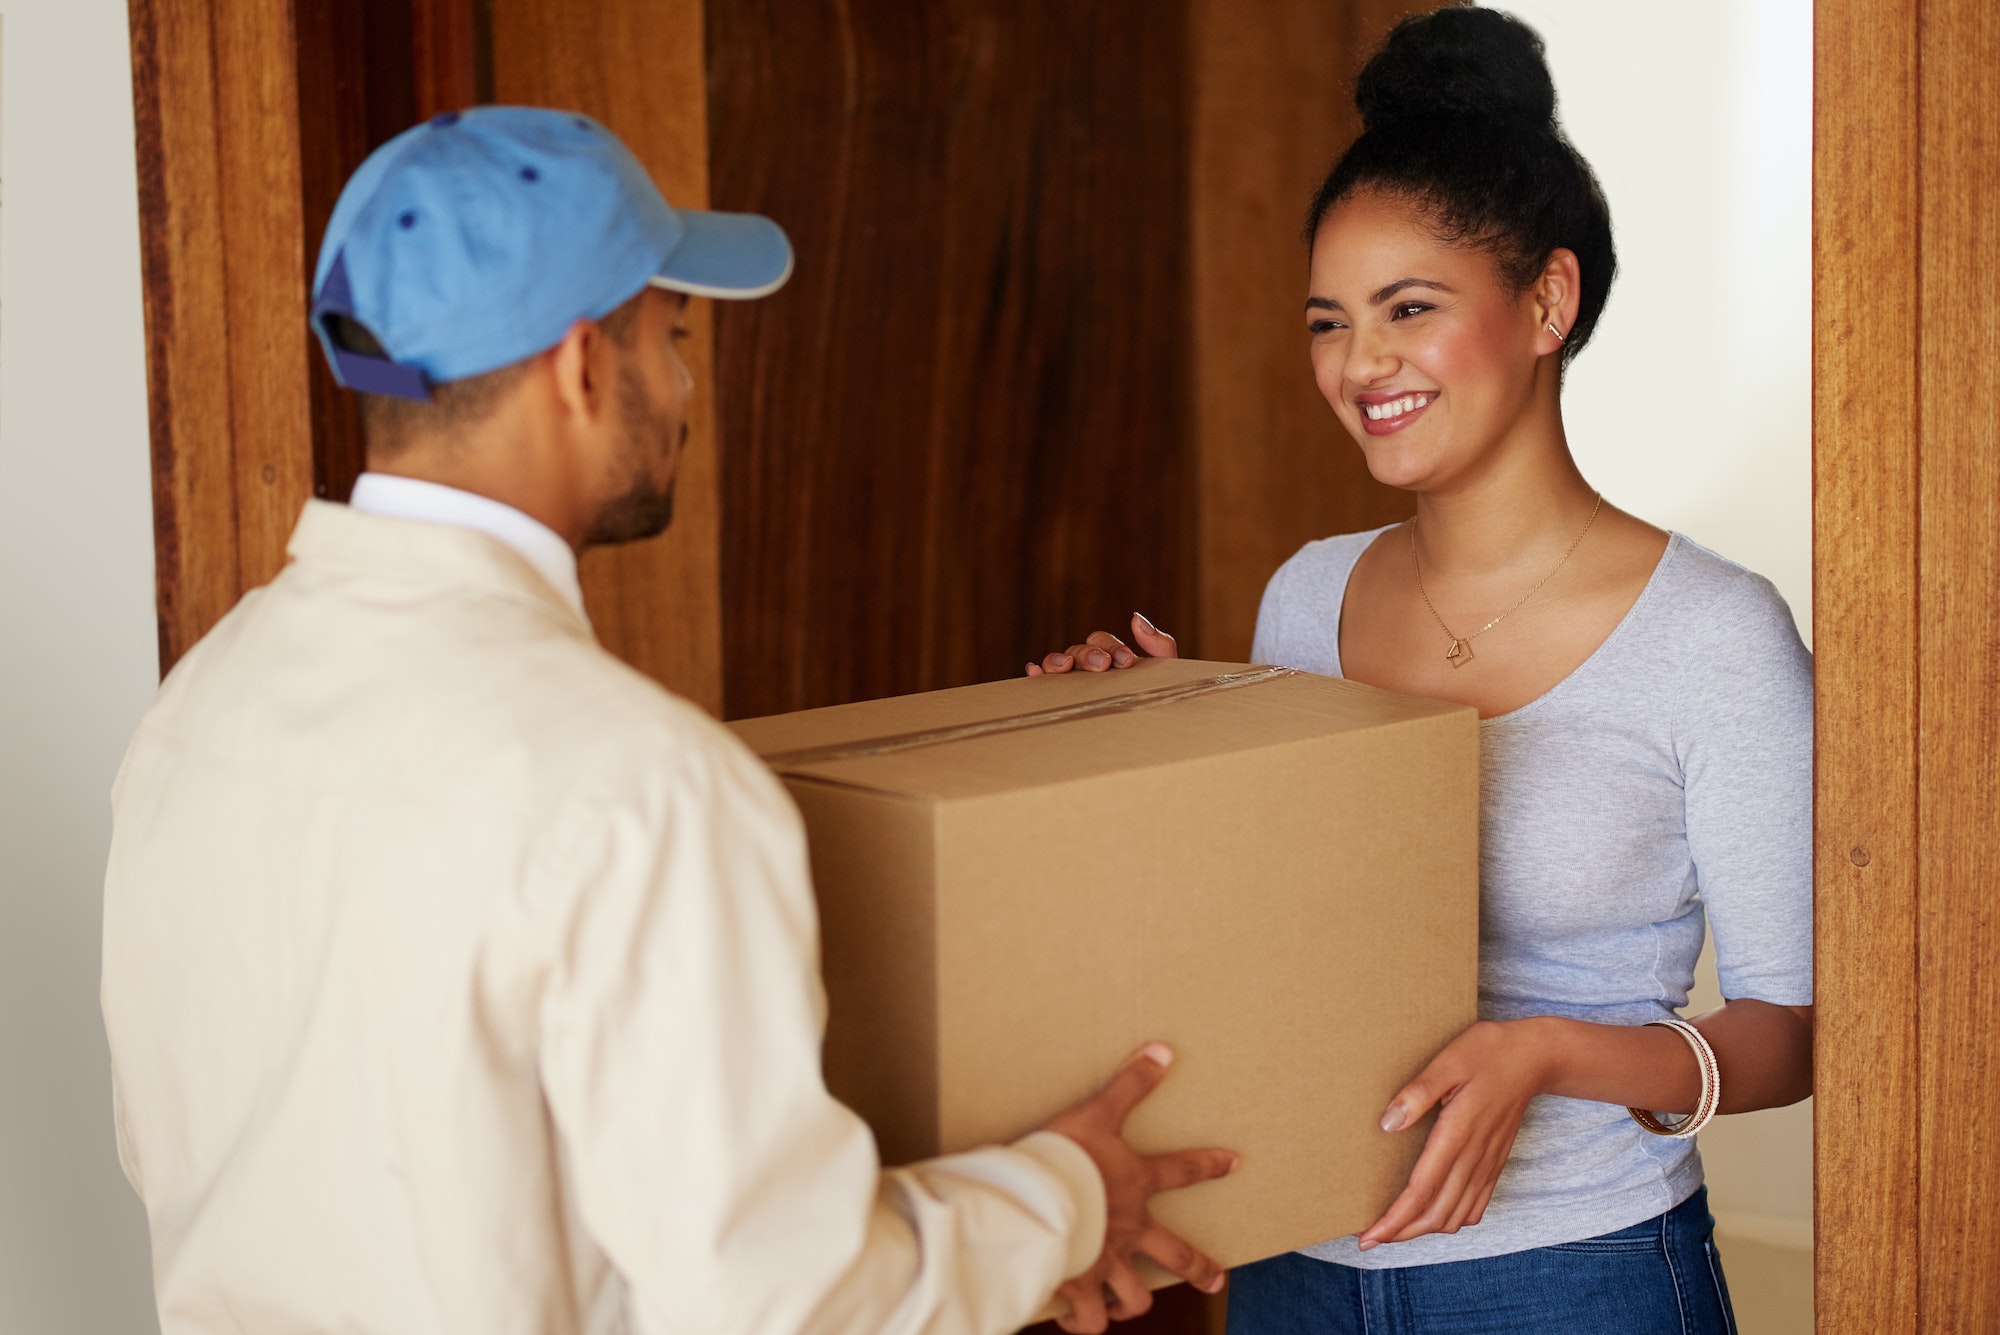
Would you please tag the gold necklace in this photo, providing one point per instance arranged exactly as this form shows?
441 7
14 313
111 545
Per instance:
1460 652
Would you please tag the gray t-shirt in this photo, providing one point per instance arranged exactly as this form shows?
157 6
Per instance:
1671 772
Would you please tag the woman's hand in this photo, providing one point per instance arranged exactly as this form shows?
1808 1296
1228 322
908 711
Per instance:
1480 1084
1102 651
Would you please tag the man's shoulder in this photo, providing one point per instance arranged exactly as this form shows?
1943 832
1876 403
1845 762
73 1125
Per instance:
457 700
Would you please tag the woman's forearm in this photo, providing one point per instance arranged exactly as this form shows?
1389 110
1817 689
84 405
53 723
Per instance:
1763 1050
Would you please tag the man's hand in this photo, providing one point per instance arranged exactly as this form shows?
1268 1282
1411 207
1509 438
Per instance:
1130 1181
1102 651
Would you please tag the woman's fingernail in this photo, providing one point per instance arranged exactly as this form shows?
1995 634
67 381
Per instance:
1096 658
1160 1053
1365 1245
1062 660
1146 620
1215 1285
1235 1162
1123 657
1393 1120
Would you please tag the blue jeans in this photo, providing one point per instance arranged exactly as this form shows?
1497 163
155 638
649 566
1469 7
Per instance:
1662 1277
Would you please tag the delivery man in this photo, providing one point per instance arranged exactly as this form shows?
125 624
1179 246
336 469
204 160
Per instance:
460 979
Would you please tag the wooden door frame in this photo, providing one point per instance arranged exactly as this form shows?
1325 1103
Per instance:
1906 559
1906 513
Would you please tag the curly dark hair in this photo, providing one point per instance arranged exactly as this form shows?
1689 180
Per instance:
1459 116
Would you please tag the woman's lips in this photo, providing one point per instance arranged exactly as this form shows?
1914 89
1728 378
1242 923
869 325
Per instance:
1392 415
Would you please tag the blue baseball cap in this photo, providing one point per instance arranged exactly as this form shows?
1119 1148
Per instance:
475 240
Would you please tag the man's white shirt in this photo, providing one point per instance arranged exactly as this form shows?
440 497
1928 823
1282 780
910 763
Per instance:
459 978
393 497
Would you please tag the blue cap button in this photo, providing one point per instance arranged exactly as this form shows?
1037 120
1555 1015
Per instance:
444 118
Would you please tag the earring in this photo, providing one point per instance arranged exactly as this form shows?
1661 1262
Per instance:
1551 327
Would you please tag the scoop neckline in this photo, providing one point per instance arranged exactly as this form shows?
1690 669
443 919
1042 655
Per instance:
1674 541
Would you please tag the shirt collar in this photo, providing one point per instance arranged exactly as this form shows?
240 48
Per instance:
390 497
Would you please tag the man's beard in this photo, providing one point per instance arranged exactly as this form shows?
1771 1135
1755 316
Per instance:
644 509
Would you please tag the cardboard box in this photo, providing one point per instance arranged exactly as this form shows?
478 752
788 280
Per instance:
1275 872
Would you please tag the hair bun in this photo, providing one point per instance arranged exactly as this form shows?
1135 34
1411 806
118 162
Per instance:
1458 62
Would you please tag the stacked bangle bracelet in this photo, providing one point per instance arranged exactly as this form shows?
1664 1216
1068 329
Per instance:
1711 1087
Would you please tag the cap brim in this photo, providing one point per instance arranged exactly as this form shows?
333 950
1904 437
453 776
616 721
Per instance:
733 256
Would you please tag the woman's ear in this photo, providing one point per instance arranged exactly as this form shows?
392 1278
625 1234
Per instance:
1557 294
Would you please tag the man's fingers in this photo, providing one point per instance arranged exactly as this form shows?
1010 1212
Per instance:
1057 662
1085 1296
1152 639
1184 1168
1129 1295
1176 1257
1131 1083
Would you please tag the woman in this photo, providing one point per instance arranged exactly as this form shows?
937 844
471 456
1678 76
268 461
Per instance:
1645 737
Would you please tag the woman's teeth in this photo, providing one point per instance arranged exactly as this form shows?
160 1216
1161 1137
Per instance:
1409 403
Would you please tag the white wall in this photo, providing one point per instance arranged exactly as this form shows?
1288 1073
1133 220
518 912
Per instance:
1692 407
78 656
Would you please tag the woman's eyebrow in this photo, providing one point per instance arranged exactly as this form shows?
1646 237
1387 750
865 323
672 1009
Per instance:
1392 289
1323 304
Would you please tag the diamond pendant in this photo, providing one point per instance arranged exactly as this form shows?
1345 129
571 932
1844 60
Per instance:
1459 654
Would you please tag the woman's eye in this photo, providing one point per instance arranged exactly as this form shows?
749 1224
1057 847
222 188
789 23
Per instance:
1318 327
1407 309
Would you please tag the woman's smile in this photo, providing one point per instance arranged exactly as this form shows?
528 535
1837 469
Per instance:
1387 411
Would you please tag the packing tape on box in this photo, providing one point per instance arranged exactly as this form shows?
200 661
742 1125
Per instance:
1128 703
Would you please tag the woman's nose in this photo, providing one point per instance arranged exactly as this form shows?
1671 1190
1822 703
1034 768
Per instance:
1370 358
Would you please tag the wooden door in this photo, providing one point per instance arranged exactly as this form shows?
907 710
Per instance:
251 114
1906 610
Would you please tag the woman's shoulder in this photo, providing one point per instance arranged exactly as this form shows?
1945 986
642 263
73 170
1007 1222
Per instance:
1725 636
1326 560
1719 600
1298 622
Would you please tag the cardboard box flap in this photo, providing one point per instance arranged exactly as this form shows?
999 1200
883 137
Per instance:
994 738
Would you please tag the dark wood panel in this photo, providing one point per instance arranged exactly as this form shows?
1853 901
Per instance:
357 90
1866 1109
1272 108
367 71
249 119
1958 760
961 436
636 65
450 55
216 116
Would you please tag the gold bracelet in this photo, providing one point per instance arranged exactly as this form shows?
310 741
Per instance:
1711 1087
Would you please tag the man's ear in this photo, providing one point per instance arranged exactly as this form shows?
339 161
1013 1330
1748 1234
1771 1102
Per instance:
580 375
